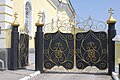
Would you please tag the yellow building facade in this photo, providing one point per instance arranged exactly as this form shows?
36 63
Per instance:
28 10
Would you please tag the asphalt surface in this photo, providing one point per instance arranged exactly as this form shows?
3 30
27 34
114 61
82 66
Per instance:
66 76
14 75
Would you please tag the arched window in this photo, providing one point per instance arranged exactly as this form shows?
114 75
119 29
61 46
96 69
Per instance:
28 17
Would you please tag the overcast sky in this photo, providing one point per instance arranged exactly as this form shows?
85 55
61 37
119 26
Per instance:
98 9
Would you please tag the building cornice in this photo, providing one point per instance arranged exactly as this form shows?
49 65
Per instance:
6 13
51 4
5 22
6 6
69 4
72 9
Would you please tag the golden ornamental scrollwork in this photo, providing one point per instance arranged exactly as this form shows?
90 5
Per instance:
81 64
46 51
102 65
91 50
104 51
64 26
70 37
69 65
24 30
90 24
57 51
103 35
71 51
47 36
48 64
91 54
78 51
79 36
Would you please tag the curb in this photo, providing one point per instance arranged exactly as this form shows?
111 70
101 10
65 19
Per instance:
30 75
115 76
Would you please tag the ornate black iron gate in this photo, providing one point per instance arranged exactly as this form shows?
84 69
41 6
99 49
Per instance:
80 49
58 50
91 50
23 49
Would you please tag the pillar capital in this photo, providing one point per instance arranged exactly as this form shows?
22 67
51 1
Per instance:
111 18
15 23
39 23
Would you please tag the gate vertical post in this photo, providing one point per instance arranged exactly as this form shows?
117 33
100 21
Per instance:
39 45
111 44
13 63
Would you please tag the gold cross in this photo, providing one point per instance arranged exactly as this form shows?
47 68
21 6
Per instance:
15 15
40 14
110 11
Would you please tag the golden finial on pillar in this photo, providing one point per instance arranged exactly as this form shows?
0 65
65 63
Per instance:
15 23
39 22
111 18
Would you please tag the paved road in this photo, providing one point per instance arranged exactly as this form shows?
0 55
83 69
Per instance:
64 76
14 75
